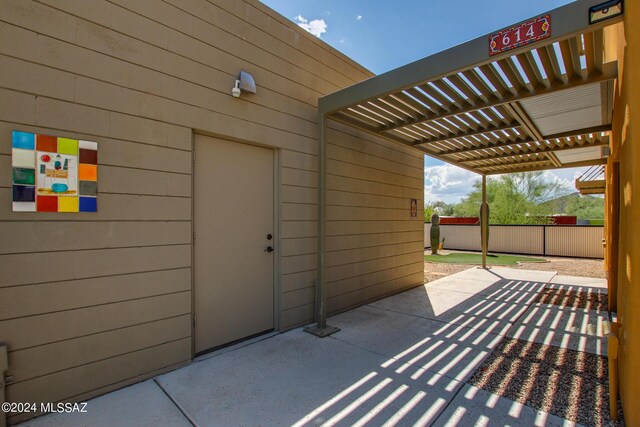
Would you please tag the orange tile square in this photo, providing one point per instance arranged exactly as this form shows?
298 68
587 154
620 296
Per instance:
87 172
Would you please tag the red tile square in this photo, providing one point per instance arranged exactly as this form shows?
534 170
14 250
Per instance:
47 203
46 143
89 157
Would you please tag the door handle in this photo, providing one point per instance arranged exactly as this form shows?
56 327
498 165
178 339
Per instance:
269 249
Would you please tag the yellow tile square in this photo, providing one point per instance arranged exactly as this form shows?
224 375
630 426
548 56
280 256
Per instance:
68 146
68 204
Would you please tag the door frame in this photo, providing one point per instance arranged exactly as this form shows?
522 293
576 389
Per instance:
276 229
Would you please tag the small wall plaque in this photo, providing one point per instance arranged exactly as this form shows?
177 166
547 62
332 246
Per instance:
53 174
414 208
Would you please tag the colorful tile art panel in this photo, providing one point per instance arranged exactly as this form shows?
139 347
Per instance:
52 174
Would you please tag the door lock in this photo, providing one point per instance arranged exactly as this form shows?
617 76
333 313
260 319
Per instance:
269 236
269 249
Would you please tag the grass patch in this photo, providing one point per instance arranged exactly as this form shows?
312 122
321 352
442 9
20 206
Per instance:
493 259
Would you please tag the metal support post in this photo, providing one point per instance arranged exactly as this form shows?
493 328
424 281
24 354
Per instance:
484 221
321 329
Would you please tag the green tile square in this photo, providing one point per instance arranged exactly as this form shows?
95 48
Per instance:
68 146
24 176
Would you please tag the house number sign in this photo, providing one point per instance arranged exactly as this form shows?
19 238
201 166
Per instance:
528 32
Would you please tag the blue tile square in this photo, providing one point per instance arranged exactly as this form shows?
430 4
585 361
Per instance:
24 140
88 204
24 193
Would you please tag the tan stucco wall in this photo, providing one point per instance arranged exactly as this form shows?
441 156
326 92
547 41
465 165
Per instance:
139 77
626 150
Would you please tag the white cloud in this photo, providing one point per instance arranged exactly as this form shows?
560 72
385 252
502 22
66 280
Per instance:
317 27
359 18
566 177
566 183
448 183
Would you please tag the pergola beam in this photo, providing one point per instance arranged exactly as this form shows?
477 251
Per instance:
459 58
396 139
587 191
539 158
542 168
609 72
510 125
581 132
486 147
539 150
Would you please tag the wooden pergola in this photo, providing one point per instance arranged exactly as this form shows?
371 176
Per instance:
542 104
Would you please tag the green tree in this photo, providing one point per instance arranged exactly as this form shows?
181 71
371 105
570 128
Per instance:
443 208
440 207
428 211
516 198
585 207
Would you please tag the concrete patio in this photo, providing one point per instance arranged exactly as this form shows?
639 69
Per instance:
410 359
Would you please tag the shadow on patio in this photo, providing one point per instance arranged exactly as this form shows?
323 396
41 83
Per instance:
481 347
547 367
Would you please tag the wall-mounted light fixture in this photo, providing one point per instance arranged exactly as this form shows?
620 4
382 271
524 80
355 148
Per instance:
244 83
606 10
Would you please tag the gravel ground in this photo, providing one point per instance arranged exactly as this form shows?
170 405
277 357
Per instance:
596 301
567 383
564 266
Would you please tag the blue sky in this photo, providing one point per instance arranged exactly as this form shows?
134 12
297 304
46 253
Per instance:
383 35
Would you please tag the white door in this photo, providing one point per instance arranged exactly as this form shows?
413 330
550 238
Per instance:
233 223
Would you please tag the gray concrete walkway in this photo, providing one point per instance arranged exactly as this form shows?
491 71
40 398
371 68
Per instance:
405 360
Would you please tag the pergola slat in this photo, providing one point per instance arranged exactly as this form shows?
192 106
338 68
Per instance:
361 117
530 67
500 86
550 64
479 84
419 109
548 147
458 100
478 115
478 132
440 99
608 73
513 74
369 115
589 52
433 107
403 110
442 127
385 110
598 50
583 132
575 47
542 166
556 60
471 96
